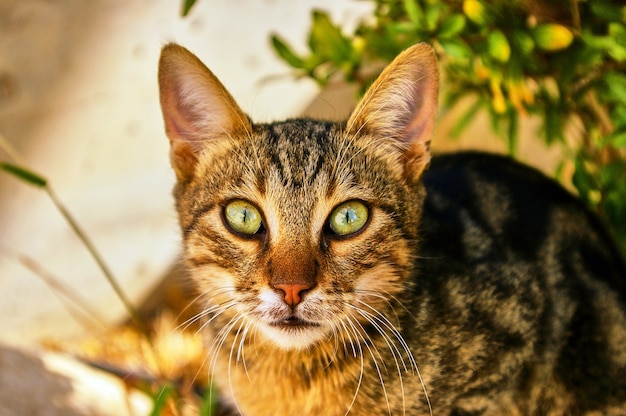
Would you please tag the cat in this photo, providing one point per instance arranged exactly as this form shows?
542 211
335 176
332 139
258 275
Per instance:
343 270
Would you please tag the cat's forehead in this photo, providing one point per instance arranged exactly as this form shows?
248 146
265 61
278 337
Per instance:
298 164
298 151
298 137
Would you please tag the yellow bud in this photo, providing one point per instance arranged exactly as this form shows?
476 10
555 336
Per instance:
482 72
552 36
475 11
529 96
497 101
359 44
499 104
519 94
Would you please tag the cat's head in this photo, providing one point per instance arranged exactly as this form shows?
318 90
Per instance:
299 231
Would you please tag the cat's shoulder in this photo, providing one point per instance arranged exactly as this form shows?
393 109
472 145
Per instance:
469 170
493 183
476 198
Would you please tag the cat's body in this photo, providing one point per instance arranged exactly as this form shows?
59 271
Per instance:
340 276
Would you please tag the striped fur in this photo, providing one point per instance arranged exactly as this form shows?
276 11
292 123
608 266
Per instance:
476 286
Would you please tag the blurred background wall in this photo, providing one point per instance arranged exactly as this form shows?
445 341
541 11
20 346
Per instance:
79 100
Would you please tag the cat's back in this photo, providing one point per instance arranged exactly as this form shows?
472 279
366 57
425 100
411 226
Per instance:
483 199
515 260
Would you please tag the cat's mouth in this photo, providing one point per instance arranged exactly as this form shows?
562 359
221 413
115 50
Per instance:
294 322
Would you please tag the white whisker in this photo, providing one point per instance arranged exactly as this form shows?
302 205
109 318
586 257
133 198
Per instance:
346 331
362 335
376 318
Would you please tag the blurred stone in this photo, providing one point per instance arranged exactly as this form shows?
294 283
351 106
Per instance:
43 383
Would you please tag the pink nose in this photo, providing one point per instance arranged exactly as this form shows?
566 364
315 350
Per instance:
292 292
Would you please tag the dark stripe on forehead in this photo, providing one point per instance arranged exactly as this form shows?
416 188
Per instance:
297 148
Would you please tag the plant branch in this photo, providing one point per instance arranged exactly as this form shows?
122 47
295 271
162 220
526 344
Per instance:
59 287
69 218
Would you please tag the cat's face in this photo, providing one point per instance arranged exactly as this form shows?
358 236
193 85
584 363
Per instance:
299 228
299 231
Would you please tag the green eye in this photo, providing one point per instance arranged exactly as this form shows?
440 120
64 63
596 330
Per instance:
243 217
348 218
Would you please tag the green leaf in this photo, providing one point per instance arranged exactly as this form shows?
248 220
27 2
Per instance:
618 52
523 42
619 116
617 140
513 132
401 27
465 119
414 11
606 10
618 32
607 44
499 48
209 402
451 26
285 52
187 5
327 40
433 12
456 48
581 179
616 87
160 399
553 117
24 174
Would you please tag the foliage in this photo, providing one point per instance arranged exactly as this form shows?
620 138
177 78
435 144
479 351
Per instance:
187 6
564 62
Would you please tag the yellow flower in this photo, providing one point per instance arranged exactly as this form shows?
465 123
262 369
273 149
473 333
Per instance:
359 44
497 100
519 94
475 11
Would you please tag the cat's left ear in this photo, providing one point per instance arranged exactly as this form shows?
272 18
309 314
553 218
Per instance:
401 106
196 107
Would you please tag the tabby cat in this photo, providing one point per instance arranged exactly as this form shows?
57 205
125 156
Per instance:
341 276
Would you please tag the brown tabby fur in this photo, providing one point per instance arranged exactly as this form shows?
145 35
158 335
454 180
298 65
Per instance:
477 286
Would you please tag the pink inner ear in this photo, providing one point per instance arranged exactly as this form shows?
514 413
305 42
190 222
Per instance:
419 128
177 116
179 127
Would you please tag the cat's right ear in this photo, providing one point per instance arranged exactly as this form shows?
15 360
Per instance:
196 107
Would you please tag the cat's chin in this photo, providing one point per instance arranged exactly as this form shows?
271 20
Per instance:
293 333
